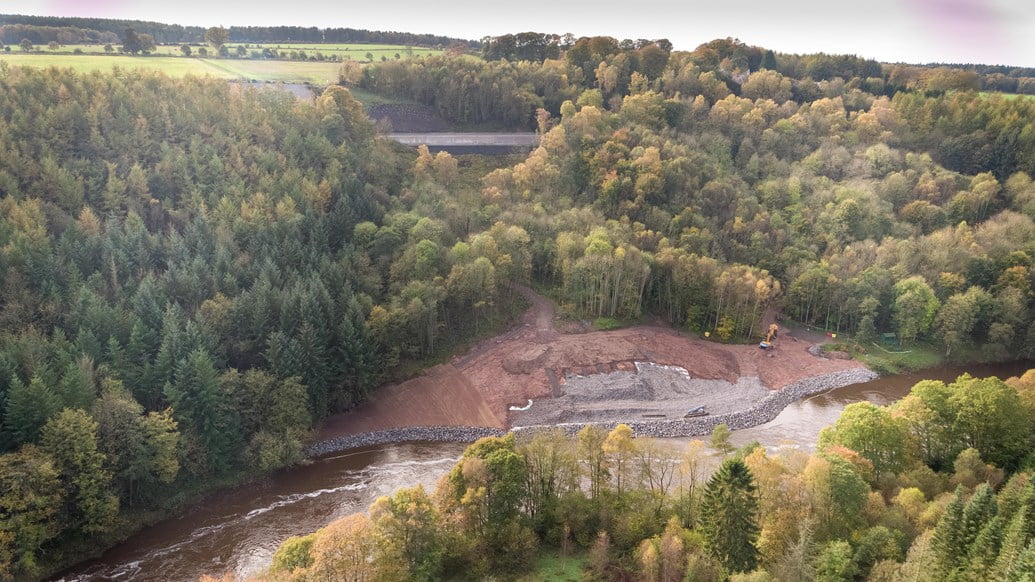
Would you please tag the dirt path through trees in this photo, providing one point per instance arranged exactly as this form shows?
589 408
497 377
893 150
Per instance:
542 312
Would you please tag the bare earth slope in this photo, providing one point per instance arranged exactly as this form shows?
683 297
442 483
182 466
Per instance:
533 362
442 396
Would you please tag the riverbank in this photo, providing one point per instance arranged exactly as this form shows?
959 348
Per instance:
490 386
240 528
761 412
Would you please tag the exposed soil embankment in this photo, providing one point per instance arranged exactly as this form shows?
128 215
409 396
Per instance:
535 362
442 396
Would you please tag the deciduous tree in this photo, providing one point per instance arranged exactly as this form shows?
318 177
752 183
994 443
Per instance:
70 438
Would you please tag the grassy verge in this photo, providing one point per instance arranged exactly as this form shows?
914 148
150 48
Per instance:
369 99
552 566
913 359
885 360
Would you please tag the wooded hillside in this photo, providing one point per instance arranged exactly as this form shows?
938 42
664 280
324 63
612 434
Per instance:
194 274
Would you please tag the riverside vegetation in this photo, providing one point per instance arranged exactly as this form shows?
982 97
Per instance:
195 274
893 493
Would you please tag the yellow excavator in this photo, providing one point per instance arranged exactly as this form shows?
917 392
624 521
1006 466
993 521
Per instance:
770 338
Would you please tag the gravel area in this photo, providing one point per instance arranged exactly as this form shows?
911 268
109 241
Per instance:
762 412
653 392
757 412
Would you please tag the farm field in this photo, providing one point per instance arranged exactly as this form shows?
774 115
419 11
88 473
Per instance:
316 72
172 66
1006 95
337 51
285 71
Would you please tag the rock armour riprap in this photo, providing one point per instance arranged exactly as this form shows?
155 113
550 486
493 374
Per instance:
761 413
456 434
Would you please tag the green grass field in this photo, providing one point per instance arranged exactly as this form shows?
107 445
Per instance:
552 567
315 72
172 66
372 99
1006 95
351 51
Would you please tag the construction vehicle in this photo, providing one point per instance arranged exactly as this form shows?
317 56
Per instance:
770 337
699 411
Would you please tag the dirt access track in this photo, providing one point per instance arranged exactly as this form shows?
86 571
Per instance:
533 360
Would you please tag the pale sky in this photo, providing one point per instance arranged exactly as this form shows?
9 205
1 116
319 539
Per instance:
915 31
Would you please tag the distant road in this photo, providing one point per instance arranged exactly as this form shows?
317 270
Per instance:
467 139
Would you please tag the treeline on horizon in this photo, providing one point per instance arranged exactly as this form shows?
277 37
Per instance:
74 30
537 46
527 71
935 487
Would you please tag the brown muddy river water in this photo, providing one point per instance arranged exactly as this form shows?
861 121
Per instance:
239 530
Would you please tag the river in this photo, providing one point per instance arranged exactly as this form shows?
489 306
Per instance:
240 529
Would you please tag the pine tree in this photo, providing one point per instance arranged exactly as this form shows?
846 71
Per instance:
948 535
138 370
171 349
199 406
1028 509
86 342
77 384
28 409
116 355
356 355
1011 495
8 370
979 511
729 516
985 549
283 356
1024 568
314 369
1015 539
114 195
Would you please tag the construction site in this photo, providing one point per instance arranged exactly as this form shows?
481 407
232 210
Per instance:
635 391
535 375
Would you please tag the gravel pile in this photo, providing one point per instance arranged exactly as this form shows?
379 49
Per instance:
759 412
613 386
653 392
